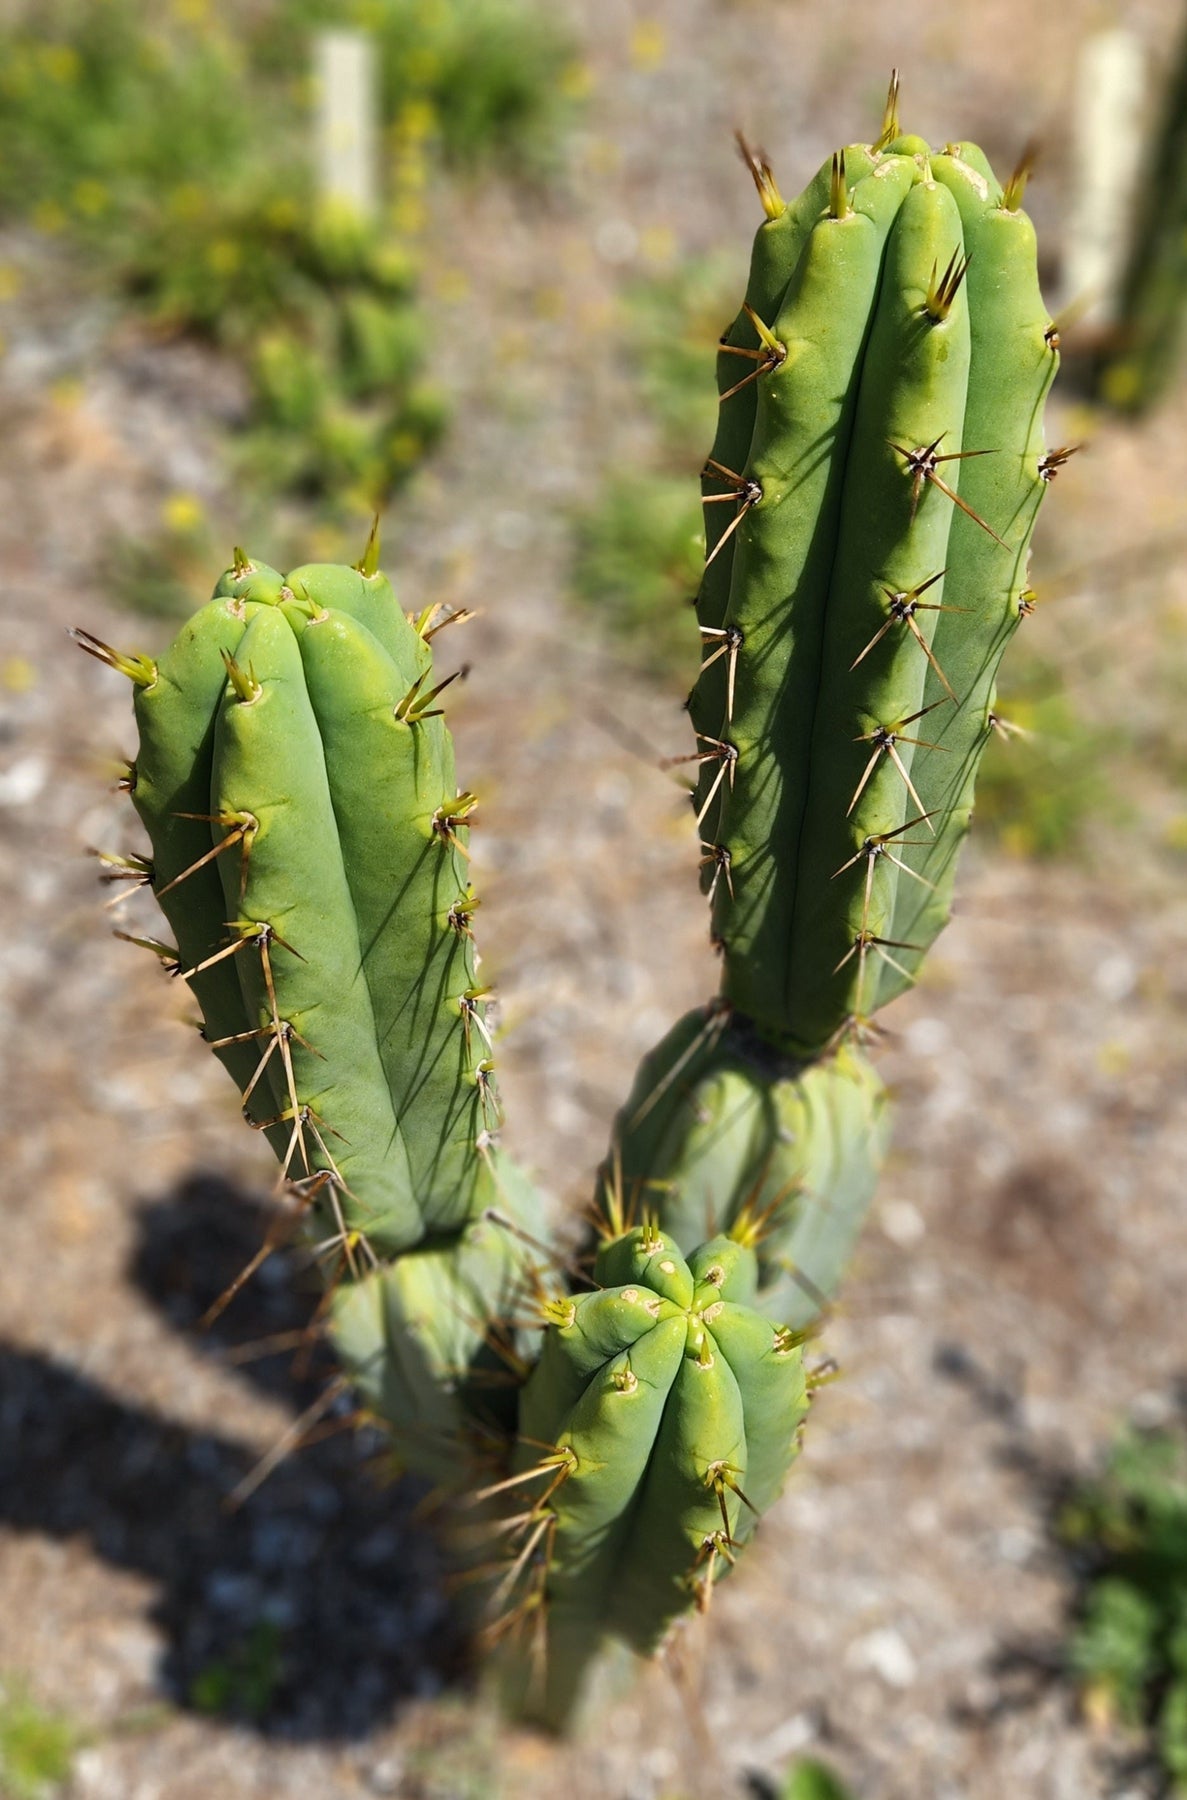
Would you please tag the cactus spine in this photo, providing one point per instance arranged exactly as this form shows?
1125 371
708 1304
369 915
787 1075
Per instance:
870 498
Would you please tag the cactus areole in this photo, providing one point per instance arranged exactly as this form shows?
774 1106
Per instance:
614 1436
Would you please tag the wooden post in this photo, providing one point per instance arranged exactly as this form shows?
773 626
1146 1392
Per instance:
346 76
1108 140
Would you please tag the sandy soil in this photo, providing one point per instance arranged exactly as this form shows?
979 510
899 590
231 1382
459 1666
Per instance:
1020 1288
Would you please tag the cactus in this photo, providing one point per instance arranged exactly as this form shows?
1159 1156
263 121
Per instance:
672 1406
620 1433
1144 342
847 689
719 1134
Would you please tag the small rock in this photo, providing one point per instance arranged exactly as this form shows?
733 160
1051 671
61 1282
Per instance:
884 1653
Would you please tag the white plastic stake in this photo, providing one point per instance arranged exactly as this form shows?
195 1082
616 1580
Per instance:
346 77
1108 141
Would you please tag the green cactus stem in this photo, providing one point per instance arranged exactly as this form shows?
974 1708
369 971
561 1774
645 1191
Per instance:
846 689
720 1134
662 1416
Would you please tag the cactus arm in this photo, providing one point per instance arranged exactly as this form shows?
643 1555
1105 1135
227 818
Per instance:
833 1124
782 564
1014 362
421 1339
612 1429
685 1140
892 540
609 1431
269 762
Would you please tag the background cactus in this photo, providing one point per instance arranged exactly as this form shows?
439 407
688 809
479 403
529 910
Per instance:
1145 339
309 849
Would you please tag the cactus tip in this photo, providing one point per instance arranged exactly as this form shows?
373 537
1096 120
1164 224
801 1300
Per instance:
773 203
241 563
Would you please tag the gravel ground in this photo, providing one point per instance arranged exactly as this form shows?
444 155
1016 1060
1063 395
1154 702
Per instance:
1019 1291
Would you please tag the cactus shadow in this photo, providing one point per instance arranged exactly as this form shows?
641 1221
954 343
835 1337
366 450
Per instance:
309 1612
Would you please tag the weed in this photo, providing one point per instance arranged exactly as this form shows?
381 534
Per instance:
811 1780
244 1683
1046 775
170 149
638 547
637 555
36 1747
1129 1646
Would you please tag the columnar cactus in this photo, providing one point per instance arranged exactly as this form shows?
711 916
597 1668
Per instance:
870 497
1144 344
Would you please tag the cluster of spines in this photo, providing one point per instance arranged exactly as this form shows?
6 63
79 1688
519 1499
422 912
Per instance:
869 500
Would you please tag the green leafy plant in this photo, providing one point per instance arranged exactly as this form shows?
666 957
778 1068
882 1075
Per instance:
1129 1645
245 1682
637 557
476 79
169 147
615 1433
1047 775
812 1780
36 1746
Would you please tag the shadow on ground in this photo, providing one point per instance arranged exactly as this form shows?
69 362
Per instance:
311 1610
1028 1670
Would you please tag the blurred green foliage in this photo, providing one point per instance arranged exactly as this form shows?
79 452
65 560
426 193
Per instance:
244 1683
1046 779
36 1747
481 79
672 322
811 1780
637 556
1129 1646
638 547
170 146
